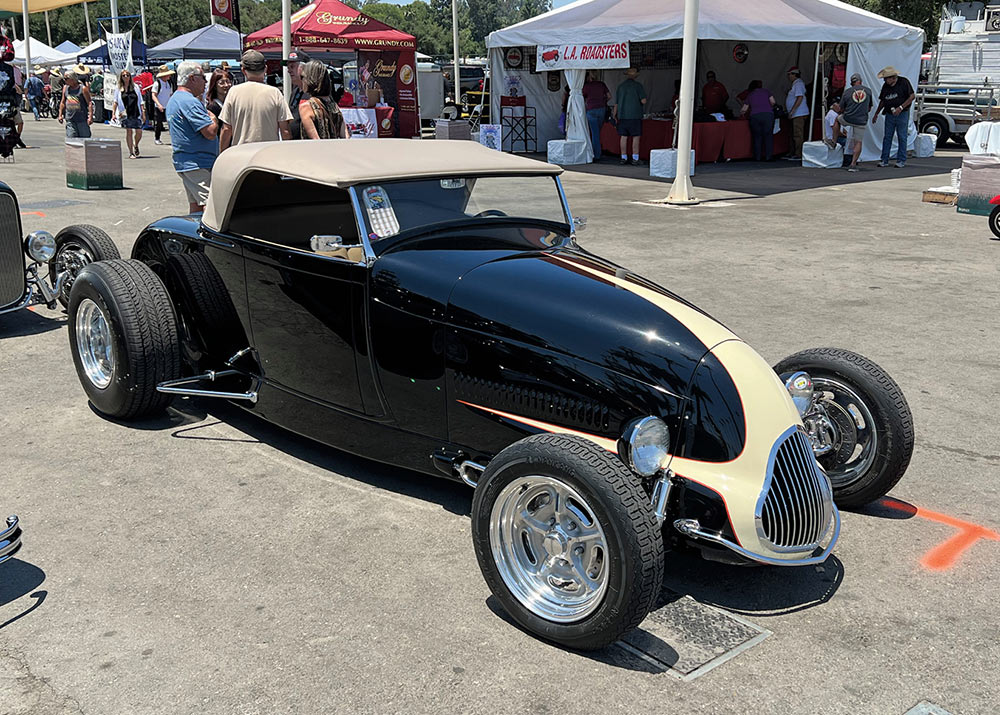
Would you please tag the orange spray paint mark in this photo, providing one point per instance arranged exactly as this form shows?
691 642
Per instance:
33 213
945 555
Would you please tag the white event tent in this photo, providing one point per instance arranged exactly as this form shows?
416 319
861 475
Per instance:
42 54
775 34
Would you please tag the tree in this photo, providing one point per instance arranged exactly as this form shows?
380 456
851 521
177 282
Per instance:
925 14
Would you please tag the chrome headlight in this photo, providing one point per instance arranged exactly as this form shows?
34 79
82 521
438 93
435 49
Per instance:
40 246
800 387
645 446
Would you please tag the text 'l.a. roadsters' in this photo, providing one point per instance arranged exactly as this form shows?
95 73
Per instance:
426 304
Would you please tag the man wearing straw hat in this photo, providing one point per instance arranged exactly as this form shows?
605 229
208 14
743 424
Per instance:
894 102
163 88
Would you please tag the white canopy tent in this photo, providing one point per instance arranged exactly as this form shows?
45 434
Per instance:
874 41
42 54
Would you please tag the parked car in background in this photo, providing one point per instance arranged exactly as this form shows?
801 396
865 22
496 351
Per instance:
426 304
63 255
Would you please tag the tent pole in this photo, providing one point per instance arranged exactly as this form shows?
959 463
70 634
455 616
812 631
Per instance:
142 16
454 40
86 19
13 28
211 14
812 105
48 28
682 188
286 47
27 38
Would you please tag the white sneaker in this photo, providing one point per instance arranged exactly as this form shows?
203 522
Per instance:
882 164
157 141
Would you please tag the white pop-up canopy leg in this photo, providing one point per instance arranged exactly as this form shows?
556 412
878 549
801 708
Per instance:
682 190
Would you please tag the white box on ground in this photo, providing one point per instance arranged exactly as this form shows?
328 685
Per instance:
663 163
924 145
567 151
817 155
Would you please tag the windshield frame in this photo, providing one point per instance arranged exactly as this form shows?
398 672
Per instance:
366 233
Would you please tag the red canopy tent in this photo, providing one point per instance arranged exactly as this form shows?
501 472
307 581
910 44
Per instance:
386 56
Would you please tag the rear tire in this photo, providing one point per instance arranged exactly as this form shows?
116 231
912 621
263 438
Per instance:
123 337
934 124
208 324
77 246
567 541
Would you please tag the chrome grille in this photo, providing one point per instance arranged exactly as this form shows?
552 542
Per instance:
12 284
797 506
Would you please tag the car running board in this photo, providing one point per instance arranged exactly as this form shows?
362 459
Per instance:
178 386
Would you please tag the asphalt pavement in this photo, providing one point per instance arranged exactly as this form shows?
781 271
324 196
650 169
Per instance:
206 562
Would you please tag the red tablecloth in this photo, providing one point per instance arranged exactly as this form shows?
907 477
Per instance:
711 141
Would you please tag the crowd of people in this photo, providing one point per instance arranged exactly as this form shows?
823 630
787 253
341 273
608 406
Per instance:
208 115
844 124
205 110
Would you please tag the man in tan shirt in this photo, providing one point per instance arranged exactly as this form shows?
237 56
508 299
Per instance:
253 111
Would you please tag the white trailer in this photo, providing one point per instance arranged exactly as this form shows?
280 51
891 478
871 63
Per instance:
963 80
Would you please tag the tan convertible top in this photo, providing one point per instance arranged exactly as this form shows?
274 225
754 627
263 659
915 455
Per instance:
344 163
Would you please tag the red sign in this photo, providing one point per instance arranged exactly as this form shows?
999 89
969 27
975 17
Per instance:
226 9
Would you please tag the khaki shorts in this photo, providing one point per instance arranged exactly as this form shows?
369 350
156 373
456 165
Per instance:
196 183
856 133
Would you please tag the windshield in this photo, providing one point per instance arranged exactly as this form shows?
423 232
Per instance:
400 207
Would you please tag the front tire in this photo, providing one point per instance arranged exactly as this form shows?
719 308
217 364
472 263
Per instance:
123 337
868 418
76 247
567 541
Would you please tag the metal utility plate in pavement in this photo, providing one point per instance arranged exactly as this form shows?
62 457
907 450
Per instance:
686 638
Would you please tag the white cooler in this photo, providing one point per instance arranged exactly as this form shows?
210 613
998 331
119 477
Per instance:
663 163
924 145
817 155
566 151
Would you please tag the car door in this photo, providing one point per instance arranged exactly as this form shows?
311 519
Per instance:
306 307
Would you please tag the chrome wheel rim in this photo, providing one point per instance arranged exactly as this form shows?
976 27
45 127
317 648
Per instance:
853 428
549 548
69 261
94 343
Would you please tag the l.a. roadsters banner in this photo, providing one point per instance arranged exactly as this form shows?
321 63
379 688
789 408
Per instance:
582 56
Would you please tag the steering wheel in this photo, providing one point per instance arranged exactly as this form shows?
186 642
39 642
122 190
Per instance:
490 212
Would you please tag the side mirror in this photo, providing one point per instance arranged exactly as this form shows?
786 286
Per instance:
326 244
579 223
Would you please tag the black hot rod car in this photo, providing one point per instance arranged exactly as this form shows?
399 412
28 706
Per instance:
63 256
426 304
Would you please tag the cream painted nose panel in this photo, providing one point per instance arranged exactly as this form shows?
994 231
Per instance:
769 412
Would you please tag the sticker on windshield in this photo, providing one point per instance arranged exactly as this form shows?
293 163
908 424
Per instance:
380 213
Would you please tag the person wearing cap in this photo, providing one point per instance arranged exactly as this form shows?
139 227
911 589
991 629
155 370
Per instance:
254 111
798 112
35 89
76 107
855 105
296 58
894 103
163 90
193 134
